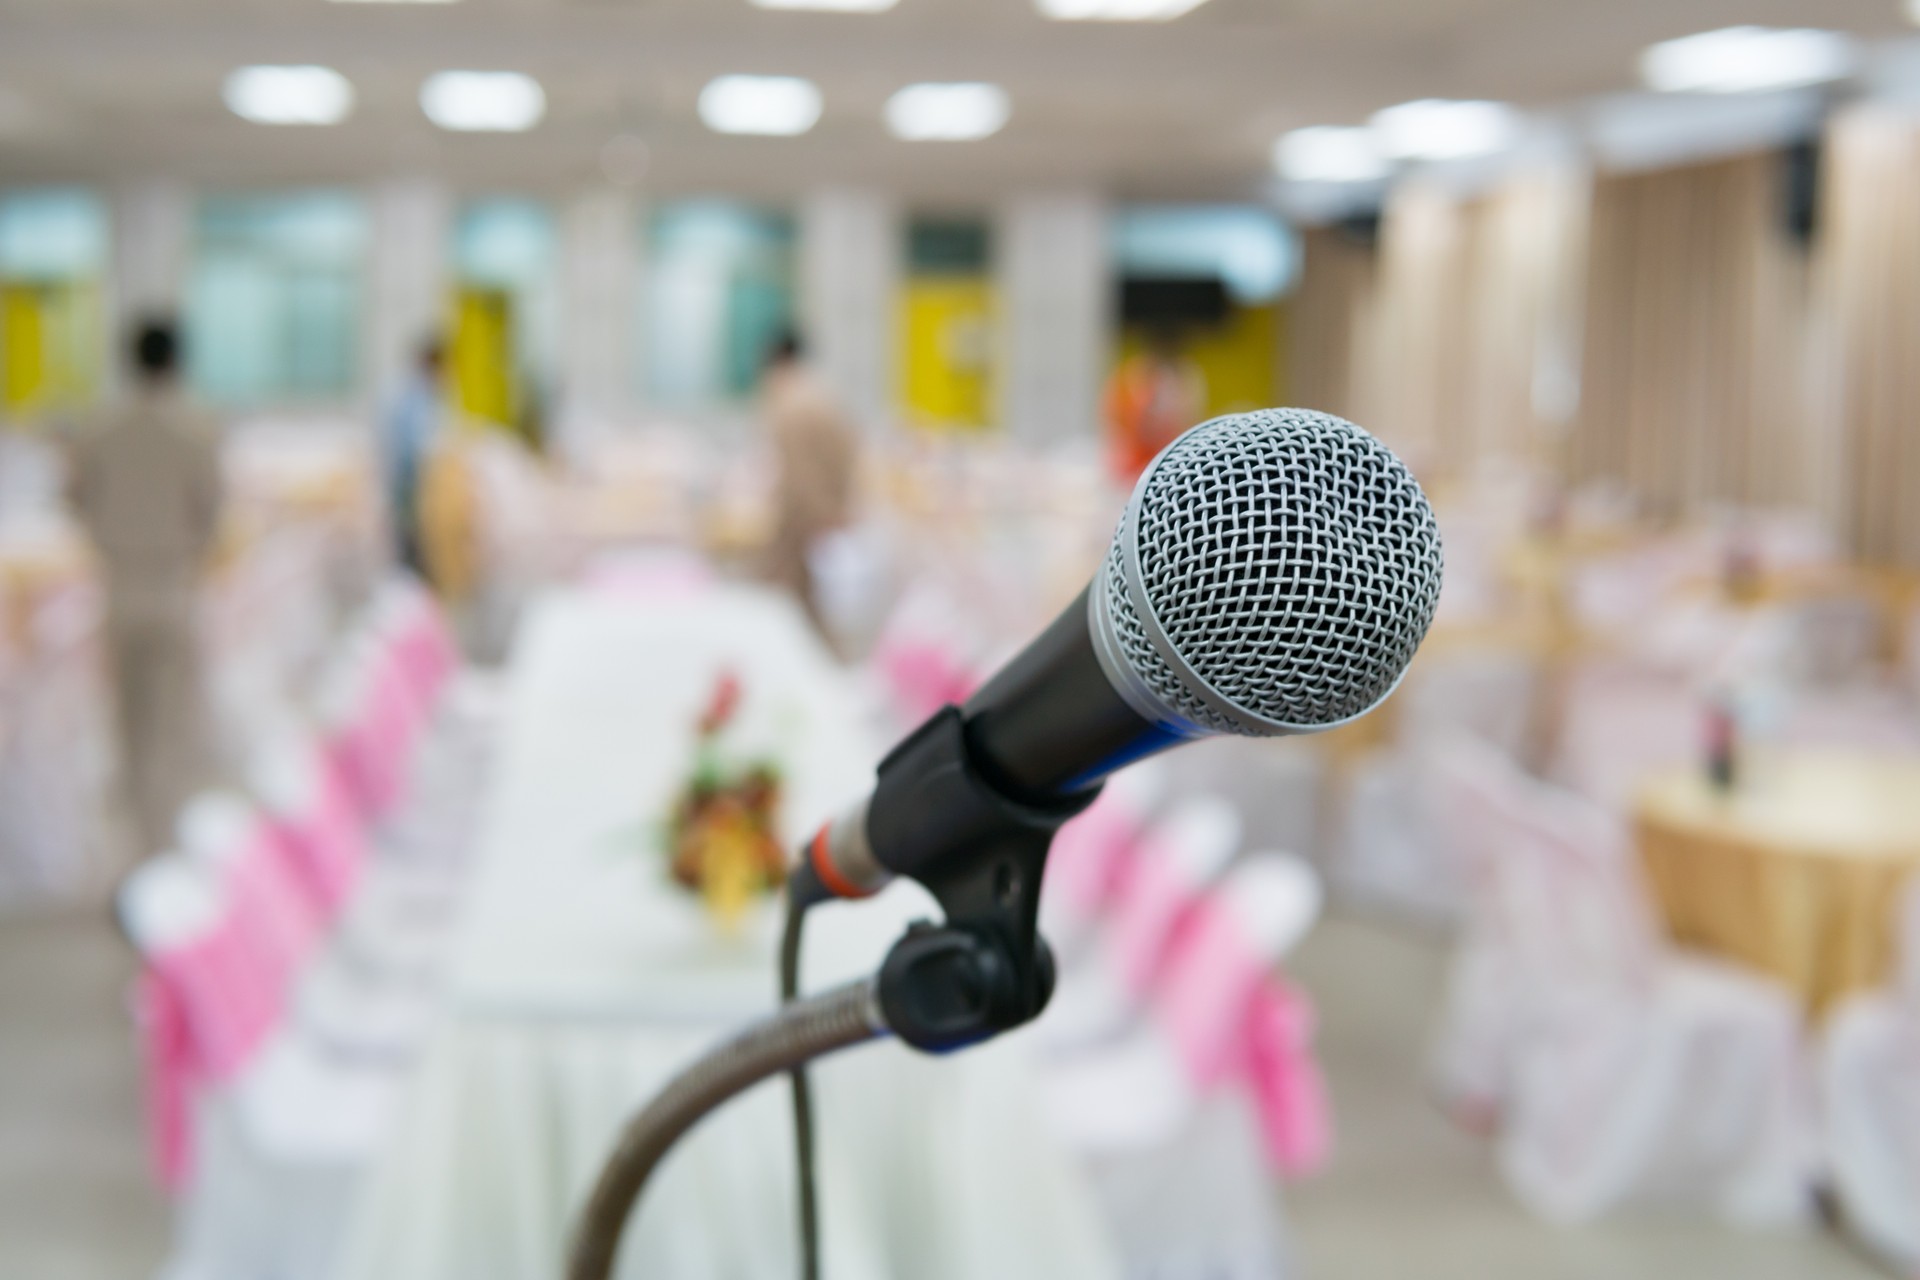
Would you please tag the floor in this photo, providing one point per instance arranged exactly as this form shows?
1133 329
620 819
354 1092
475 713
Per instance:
1407 1195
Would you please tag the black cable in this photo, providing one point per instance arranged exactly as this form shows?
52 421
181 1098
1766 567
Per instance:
801 894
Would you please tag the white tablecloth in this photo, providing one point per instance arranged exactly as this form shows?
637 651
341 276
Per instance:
583 979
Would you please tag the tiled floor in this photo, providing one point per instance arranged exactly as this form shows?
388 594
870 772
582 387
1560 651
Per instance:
76 1201
1408 1195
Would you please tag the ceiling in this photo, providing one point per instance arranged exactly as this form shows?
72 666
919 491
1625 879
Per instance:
103 90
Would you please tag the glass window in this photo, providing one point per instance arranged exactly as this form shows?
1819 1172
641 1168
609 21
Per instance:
719 291
273 298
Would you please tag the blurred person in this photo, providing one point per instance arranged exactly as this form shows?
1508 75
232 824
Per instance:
1154 395
815 452
407 436
145 482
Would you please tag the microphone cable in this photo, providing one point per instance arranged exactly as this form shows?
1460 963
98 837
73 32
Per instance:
807 1204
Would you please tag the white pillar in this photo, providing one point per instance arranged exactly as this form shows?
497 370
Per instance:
407 277
599 275
152 224
1055 301
850 255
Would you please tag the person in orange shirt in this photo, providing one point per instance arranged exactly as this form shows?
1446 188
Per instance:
1153 397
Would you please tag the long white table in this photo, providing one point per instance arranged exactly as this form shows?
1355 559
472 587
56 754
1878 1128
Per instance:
583 979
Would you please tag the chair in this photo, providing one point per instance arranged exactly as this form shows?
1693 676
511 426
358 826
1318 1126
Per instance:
1621 1072
1869 1075
257 1128
1176 860
1092 856
1185 1119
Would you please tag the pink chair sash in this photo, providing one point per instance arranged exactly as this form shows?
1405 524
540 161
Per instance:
327 841
1289 1089
170 1080
1232 1021
1150 919
923 675
1088 864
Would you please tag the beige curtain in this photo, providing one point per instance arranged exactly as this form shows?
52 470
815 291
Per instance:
1868 315
1454 340
1694 378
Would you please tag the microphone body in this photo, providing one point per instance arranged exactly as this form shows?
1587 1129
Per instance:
1273 574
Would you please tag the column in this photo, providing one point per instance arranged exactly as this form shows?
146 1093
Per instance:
599 276
850 254
407 277
1055 290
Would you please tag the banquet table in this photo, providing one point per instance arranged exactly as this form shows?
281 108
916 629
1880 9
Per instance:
1795 872
582 978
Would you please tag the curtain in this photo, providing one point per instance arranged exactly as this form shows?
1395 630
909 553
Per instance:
1868 316
1694 379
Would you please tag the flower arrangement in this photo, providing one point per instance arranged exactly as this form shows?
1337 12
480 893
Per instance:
722 837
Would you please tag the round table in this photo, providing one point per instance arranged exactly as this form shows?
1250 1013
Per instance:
1796 872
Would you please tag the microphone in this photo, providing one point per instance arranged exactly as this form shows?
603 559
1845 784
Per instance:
1273 573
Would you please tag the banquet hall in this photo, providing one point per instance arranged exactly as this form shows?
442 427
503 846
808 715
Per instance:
509 506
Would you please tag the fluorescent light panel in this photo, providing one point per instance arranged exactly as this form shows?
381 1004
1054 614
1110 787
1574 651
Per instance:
483 101
1444 129
1116 10
1330 153
829 6
289 95
959 112
774 106
1747 60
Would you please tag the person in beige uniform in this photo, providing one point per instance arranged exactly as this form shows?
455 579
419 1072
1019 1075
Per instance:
816 453
145 481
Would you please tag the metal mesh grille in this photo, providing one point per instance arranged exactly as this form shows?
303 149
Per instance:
1290 560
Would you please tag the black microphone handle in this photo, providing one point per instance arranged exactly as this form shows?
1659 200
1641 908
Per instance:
1050 723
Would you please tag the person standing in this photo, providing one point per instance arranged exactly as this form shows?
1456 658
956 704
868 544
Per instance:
412 425
1153 397
145 482
815 454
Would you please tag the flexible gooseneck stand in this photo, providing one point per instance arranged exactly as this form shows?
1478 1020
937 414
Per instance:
983 970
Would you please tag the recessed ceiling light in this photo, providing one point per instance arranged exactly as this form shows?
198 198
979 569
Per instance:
1747 60
483 101
958 112
1116 10
778 106
829 6
1330 153
289 95
1442 129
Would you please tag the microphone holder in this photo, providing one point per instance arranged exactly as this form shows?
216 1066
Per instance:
983 970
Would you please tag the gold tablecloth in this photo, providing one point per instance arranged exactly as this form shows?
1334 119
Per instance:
1795 873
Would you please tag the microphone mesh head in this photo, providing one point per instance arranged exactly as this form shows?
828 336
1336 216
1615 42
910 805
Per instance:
1287 560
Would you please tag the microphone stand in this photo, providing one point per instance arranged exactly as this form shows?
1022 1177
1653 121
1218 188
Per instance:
942 987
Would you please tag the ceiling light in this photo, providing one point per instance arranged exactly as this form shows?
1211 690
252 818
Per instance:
1330 153
1746 60
780 106
1116 10
829 6
483 101
1438 129
289 95
393 1
947 112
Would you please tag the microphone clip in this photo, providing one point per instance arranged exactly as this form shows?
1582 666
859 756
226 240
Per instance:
936 817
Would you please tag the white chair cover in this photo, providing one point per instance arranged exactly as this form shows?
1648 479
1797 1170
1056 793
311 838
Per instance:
1628 1075
1870 1099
